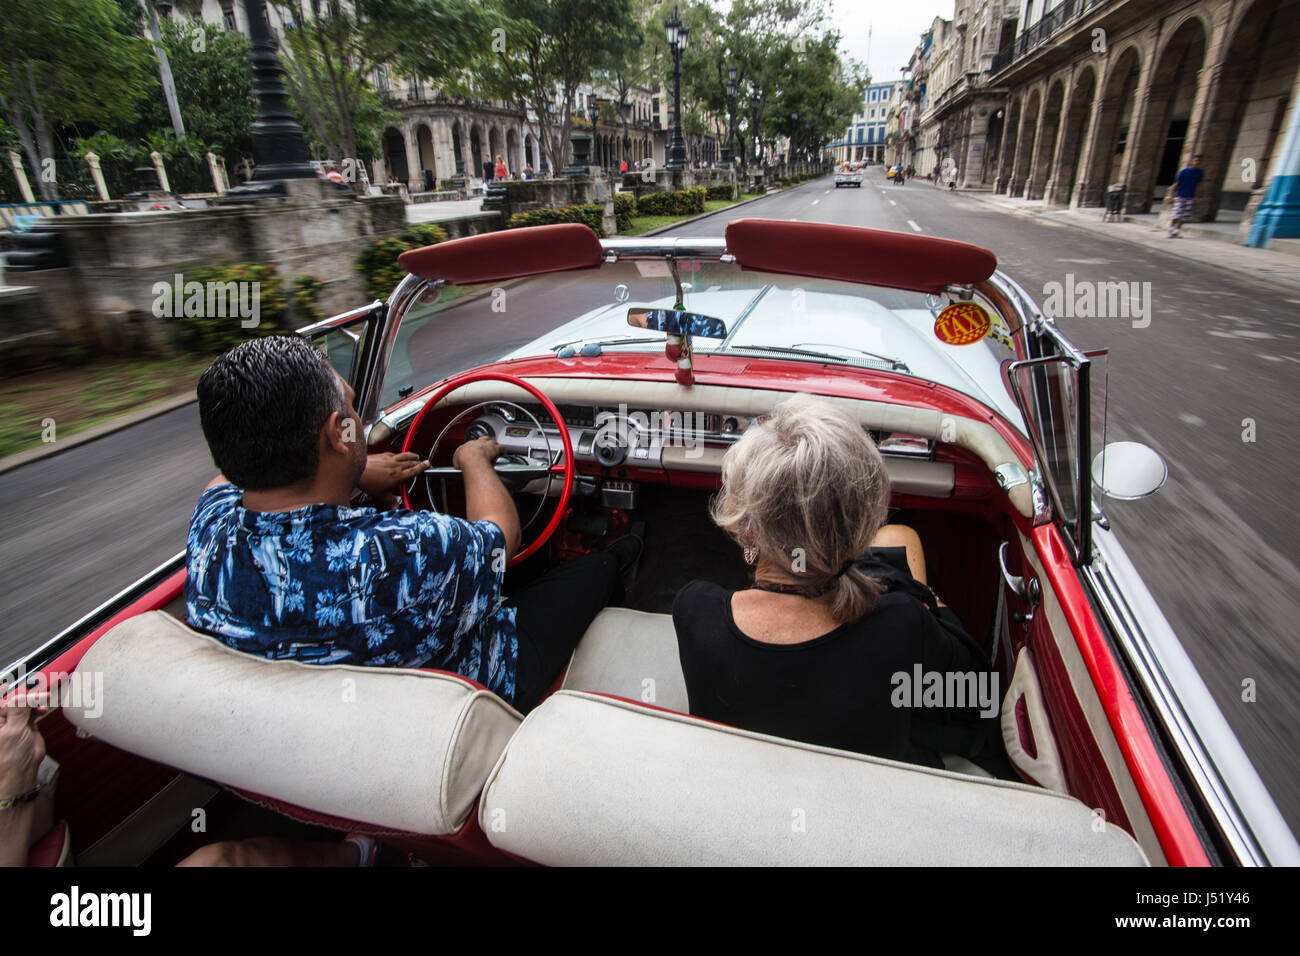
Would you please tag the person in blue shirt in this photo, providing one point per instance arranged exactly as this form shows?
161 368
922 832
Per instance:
282 564
1184 188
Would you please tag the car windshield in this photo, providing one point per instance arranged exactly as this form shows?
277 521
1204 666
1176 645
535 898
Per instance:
767 316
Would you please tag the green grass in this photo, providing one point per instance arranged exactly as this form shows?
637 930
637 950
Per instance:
82 397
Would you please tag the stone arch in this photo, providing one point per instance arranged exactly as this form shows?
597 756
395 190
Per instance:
1049 125
530 151
1074 129
1025 141
1110 133
395 154
1252 79
458 148
424 148
477 149
1010 138
1171 99
496 144
512 152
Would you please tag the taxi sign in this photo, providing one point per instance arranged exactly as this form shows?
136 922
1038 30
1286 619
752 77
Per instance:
962 323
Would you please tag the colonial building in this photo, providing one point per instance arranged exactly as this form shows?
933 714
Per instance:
1121 93
865 137
451 136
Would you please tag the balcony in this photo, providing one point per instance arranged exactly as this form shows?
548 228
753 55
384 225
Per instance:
1042 31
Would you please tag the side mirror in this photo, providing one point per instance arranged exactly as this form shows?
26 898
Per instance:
676 322
1129 470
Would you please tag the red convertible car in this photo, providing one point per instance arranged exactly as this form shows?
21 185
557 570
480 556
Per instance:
661 353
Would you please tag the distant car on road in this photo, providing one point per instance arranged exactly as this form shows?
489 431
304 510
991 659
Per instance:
848 176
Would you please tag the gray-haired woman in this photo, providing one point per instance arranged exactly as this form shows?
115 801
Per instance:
820 647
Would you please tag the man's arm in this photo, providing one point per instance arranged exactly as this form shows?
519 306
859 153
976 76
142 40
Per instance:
486 498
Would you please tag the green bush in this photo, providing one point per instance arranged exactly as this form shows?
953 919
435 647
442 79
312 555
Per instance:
624 210
589 214
720 191
679 202
305 309
378 263
211 334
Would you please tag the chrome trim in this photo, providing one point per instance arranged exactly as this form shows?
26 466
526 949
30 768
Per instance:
334 321
399 302
1224 778
685 247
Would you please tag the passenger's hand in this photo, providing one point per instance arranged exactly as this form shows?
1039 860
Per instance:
22 748
486 448
388 471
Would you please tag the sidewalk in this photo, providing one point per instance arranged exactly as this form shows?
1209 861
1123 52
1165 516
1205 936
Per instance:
1209 243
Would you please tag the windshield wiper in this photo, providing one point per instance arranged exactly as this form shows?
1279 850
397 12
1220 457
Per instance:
895 365
616 340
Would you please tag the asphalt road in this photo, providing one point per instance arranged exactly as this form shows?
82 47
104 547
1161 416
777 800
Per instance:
1217 546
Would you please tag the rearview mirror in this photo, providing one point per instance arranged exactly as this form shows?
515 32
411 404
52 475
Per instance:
675 322
1129 470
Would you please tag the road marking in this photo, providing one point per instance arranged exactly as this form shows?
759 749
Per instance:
816 201
915 227
826 192
892 203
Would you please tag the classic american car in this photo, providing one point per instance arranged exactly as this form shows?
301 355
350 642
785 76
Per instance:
849 175
655 355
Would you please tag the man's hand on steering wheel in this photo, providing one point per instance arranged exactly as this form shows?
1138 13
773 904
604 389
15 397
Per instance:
387 472
488 448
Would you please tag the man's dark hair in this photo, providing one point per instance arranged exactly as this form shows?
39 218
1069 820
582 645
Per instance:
262 405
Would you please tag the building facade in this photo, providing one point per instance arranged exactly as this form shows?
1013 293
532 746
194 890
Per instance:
865 138
1122 93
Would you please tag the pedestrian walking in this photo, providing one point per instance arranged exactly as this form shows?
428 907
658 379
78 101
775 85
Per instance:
501 171
528 171
952 178
488 169
1184 187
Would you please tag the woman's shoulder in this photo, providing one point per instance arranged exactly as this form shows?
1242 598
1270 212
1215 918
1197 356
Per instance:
699 593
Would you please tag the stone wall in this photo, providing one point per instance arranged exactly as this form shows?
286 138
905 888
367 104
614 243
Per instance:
104 300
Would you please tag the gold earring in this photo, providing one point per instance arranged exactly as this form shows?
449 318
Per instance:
751 555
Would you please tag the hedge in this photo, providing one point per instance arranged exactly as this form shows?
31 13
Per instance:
589 214
680 202
624 210
211 334
378 263
720 191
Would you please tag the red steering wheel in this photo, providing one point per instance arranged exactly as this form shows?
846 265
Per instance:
564 468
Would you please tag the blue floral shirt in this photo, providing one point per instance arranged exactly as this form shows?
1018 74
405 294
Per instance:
330 585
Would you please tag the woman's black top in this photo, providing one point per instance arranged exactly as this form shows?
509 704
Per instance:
838 690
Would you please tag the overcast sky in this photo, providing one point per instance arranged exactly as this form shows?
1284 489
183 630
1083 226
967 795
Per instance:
895 29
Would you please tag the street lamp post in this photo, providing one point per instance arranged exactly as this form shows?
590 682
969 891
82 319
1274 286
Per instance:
278 143
729 153
593 110
677 36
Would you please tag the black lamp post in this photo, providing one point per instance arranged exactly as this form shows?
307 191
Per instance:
278 144
593 110
729 152
677 36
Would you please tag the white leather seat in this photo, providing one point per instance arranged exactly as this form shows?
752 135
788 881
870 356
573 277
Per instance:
630 654
588 780
405 750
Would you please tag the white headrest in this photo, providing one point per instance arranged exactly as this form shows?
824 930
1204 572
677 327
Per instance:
402 749
588 780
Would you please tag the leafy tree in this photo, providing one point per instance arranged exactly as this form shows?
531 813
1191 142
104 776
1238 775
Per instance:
333 50
550 48
67 61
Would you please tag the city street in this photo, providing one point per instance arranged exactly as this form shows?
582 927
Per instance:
1217 546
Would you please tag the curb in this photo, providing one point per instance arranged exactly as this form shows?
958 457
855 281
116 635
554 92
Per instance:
161 407
1196 252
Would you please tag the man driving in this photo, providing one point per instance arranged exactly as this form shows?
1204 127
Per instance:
280 564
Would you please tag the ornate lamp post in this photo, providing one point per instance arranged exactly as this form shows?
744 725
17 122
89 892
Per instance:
729 153
278 143
593 110
677 36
